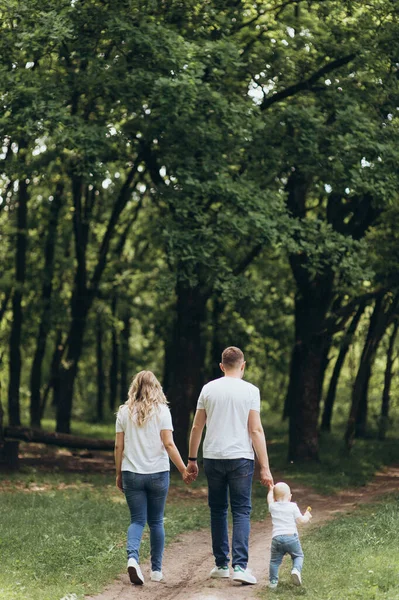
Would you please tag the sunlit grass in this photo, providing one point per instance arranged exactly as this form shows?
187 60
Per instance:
66 533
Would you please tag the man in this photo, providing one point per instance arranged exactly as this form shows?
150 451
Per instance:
230 407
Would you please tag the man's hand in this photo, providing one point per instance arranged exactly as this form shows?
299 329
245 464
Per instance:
119 482
192 469
266 477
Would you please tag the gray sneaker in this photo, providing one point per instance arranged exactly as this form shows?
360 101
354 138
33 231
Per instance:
220 572
243 576
272 585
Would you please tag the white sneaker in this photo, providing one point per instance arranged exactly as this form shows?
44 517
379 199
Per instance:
296 577
272 585
135 574
243 576
220 572
156 576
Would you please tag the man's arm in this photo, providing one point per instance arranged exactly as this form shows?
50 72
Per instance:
195 439
259 443
118 453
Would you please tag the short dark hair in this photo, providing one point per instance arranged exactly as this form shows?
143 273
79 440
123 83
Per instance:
232 357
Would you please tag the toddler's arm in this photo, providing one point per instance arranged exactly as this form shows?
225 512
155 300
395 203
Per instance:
305 518
270 496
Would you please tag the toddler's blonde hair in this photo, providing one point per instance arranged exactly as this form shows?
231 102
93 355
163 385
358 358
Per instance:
281 490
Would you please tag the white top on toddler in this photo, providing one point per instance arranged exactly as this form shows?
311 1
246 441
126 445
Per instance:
284 515
227 402
144 451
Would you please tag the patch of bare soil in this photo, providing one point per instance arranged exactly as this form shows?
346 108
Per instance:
188 559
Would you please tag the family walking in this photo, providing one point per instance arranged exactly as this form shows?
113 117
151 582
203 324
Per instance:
230 409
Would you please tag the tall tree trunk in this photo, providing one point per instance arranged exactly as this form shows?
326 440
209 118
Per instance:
307 370
53 383
125 357
45 321
114 368
100 369
362 411
17 313
386 395
69 369
384 309
185 360
332 389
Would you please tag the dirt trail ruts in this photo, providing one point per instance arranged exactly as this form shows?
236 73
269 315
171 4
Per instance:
188 559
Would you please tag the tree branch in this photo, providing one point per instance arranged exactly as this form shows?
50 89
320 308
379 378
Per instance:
307 84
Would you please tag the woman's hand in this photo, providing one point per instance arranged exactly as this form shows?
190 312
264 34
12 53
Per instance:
187 477
119 482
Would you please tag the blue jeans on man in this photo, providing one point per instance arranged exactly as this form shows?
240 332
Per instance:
146 496
234 477
281 545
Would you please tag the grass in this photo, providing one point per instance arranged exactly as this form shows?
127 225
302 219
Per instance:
354 557
63 534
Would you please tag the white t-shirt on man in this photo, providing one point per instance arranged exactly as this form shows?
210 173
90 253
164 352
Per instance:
284 515
227 402
144 451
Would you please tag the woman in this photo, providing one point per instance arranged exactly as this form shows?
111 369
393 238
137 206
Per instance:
144 443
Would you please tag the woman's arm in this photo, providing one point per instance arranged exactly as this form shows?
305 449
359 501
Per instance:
173 453
118 454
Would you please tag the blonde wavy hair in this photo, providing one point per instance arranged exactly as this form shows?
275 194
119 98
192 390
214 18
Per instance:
145 394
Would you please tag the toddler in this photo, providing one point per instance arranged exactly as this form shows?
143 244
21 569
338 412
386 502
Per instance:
285 516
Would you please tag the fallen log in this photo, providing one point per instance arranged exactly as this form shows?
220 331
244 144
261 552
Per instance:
66 440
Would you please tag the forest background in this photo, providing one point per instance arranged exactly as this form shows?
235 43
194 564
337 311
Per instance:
177 177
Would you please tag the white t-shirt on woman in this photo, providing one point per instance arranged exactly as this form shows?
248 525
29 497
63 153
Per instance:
144 451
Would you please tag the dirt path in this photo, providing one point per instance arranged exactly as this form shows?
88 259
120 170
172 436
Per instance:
188 559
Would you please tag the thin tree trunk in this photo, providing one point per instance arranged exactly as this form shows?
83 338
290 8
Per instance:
332 389
45 321
53 383
386 395
125 357
15 362
383 311
362 411
114 368
100 369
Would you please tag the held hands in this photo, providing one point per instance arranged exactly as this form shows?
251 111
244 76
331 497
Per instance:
187 477
266 478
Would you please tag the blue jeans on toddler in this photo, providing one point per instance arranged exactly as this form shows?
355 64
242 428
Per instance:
281 545
146 496
232 476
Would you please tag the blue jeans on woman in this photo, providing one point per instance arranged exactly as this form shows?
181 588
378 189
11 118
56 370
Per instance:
281 545
146 496
232 476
